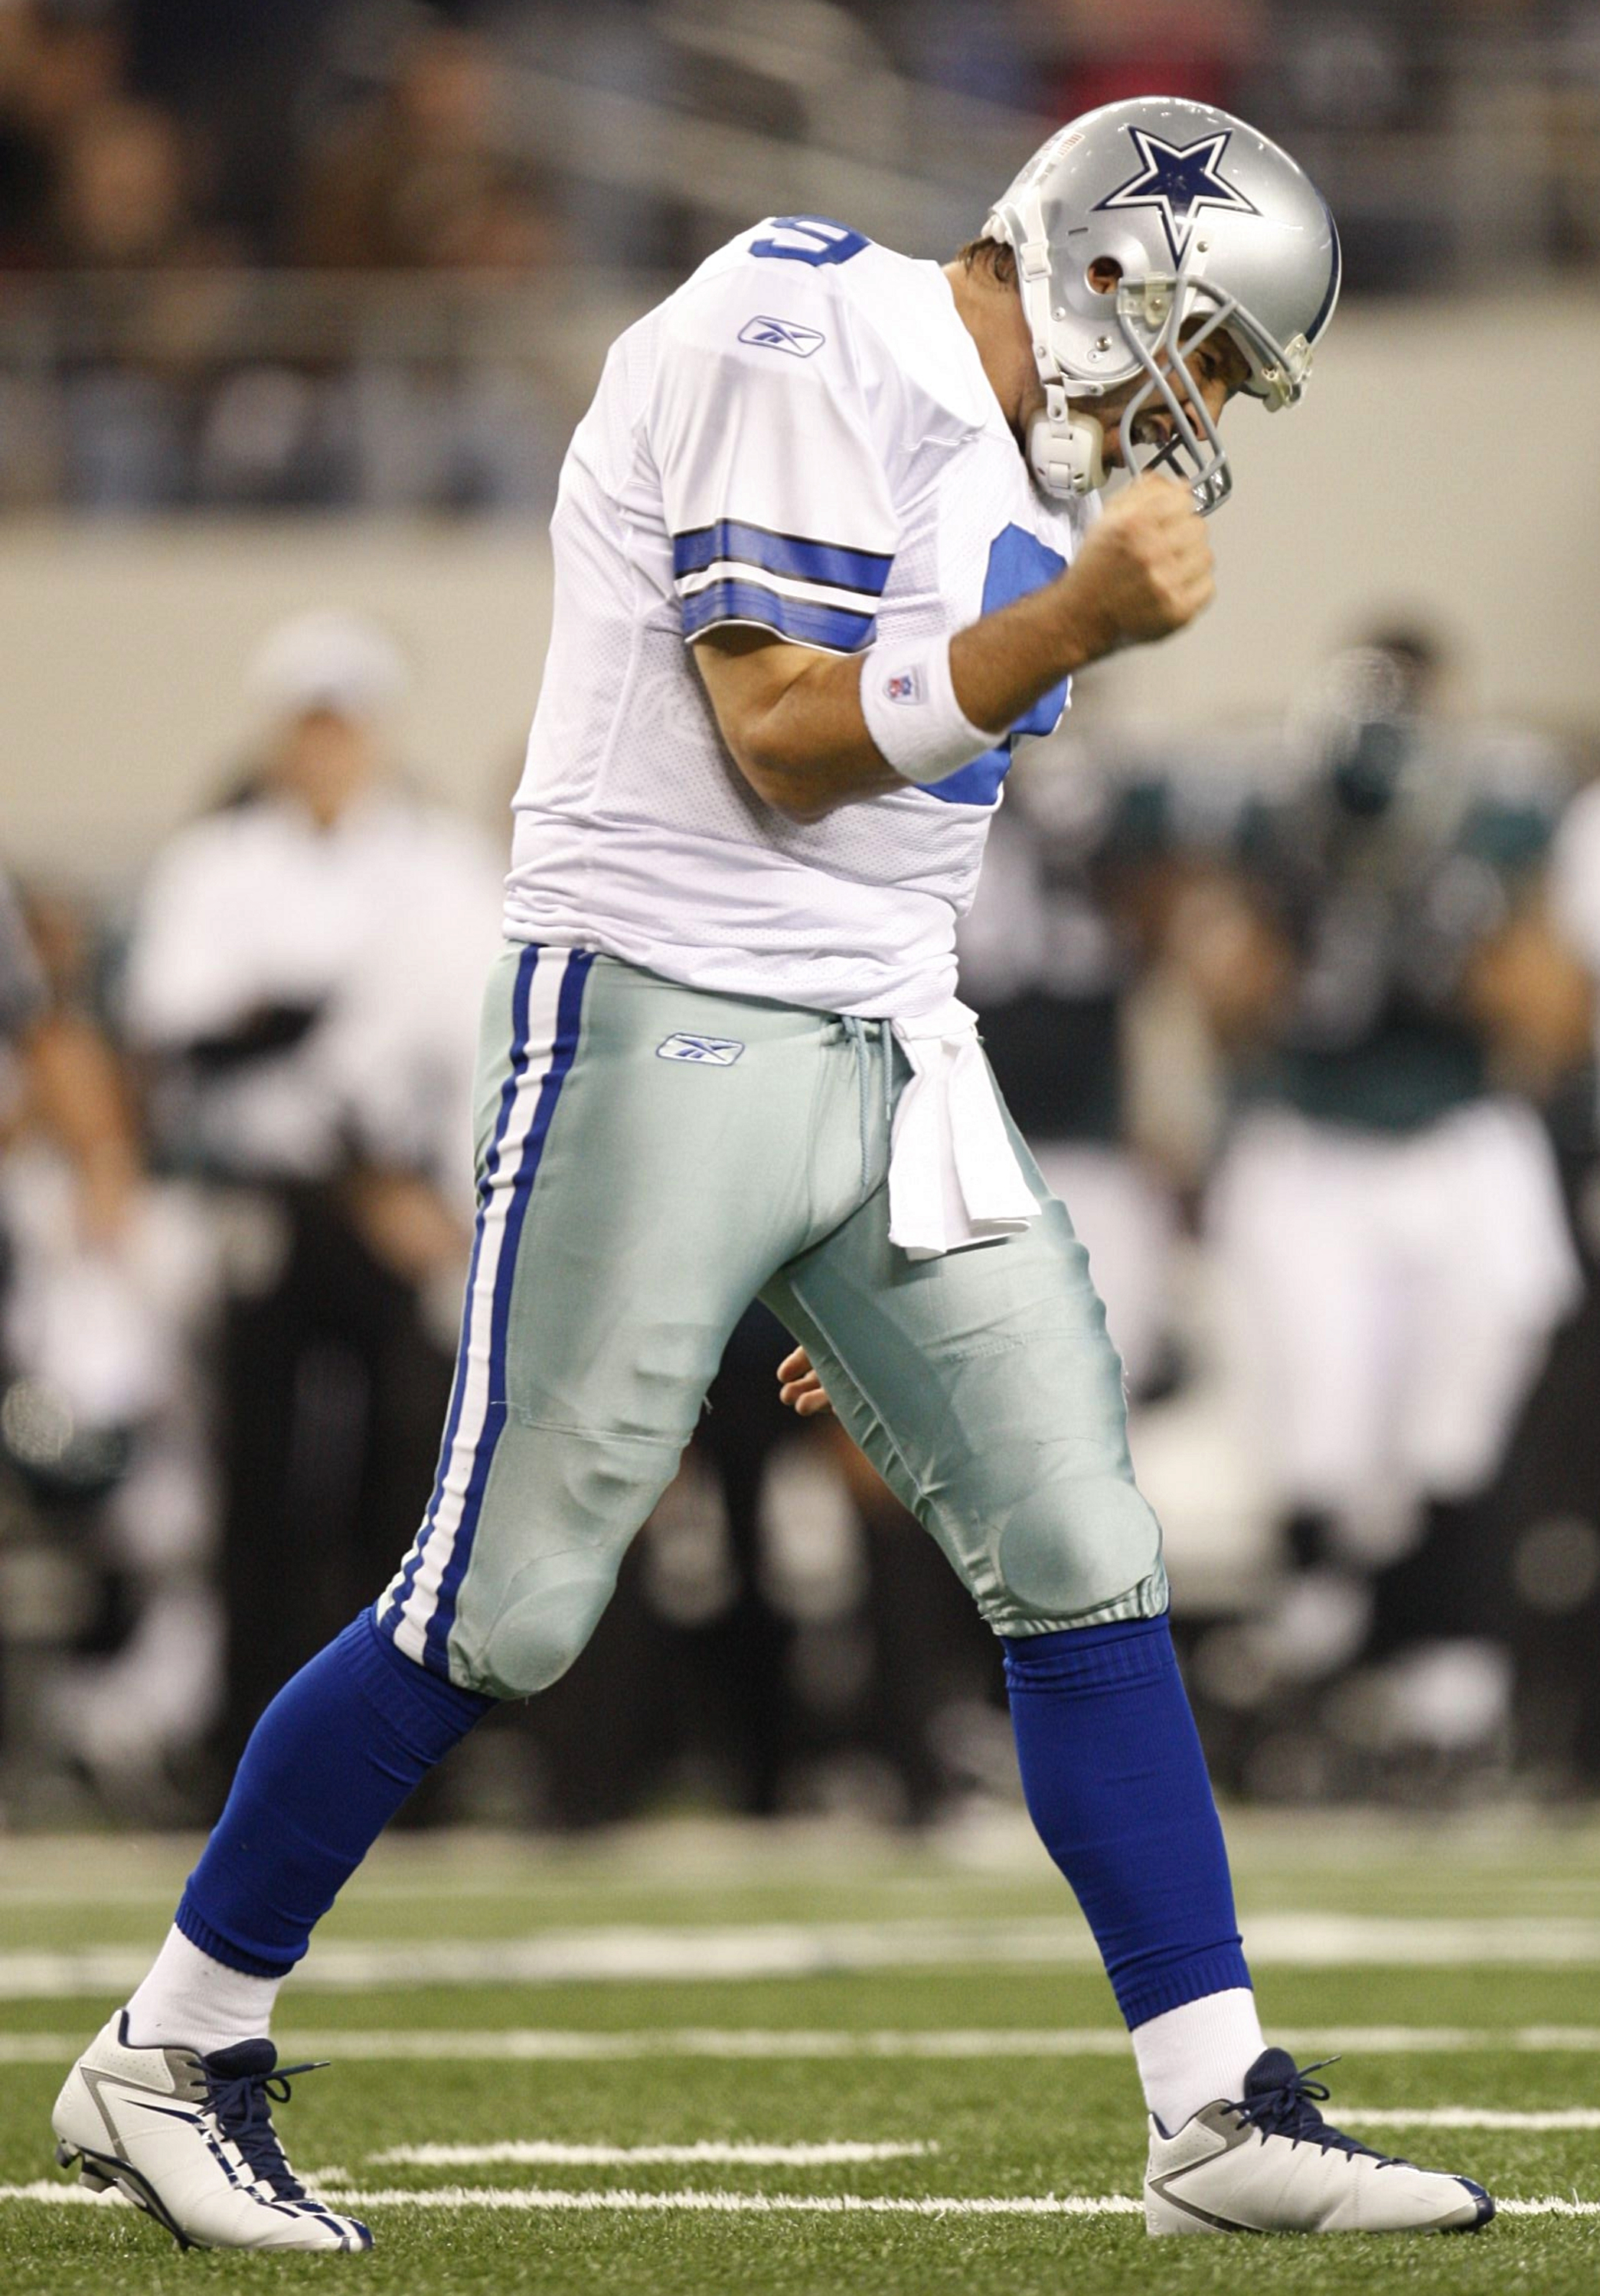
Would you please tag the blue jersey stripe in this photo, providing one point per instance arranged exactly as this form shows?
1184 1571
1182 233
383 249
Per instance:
842 569
569 1014
792 617
521 993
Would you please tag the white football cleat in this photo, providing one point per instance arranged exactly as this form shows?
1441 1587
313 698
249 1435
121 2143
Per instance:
1271 2163
190 2139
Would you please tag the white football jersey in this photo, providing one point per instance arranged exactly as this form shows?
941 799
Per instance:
802 438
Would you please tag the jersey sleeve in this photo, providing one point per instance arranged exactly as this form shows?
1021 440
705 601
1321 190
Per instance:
774 493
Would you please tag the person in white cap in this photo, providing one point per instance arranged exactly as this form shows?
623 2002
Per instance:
303 977
301 954
823 552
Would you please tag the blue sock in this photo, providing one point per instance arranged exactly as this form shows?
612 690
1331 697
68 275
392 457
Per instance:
1116 1784
327 1765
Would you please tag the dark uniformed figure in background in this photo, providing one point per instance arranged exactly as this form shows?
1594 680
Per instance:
1388 1217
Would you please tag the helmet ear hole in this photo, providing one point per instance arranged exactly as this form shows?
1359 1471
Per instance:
1104 275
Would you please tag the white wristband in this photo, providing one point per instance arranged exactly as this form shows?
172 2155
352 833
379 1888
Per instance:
909 704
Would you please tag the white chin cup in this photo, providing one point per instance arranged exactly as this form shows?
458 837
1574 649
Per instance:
1066 448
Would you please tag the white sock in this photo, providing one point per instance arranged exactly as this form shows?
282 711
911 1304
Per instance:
1189 2057
190 2001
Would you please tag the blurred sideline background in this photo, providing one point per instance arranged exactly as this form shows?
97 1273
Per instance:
1284 957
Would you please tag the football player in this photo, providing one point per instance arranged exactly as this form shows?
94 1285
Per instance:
825 549
1387 1217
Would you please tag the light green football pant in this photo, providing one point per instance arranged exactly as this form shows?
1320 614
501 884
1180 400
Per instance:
651 1159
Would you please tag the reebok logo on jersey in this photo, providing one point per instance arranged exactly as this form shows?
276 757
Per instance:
780 335
708 1052
905 685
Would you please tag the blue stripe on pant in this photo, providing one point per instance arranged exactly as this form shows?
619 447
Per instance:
391 1616
422 1609
568 1019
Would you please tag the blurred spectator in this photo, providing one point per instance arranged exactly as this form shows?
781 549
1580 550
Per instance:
124 215
305 977
124 200
57 64
235 76
78 58
25 157
1390 1225
424 177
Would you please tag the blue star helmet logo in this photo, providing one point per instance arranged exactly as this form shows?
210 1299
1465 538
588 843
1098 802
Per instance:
1181 180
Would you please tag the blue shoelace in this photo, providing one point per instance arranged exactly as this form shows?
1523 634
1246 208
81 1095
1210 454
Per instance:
1291 2109
242 2103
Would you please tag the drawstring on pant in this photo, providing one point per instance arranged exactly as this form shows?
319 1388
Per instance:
855 1029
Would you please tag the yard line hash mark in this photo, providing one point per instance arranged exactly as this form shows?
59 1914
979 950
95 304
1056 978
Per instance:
537 2152
458 2197
1467 2116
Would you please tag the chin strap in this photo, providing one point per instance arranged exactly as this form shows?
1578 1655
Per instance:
1066 448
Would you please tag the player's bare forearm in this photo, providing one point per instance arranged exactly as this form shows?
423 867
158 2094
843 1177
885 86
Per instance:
792 719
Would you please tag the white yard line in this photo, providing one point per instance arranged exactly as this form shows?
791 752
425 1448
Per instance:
537 2152
460 2197
700 2203
654 1954
1465 2116
536 2044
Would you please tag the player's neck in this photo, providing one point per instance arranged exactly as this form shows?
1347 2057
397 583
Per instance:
991 311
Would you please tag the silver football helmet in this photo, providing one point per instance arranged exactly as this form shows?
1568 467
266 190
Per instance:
1208 225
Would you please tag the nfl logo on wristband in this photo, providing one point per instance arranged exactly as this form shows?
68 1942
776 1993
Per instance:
909 704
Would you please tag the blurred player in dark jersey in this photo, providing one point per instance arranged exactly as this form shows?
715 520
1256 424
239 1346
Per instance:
1389 1220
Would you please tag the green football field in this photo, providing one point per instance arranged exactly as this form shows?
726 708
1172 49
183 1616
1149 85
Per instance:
696 2057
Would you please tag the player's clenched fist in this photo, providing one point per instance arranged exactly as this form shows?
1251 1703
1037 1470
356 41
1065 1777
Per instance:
1146 569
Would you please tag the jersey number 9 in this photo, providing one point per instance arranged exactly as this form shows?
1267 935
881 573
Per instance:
822 241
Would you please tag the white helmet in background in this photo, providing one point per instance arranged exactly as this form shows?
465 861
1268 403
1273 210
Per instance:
1208 225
